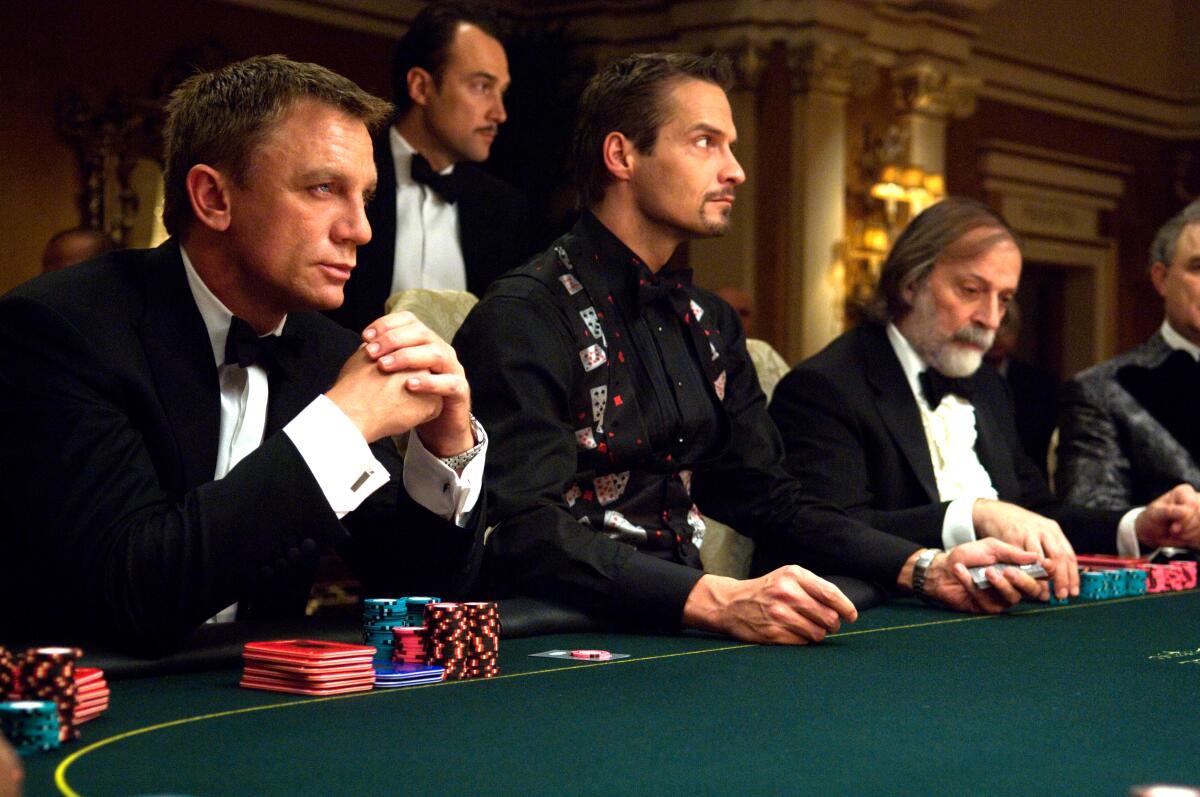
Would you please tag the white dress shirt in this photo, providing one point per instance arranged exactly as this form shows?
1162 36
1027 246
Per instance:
1177 341
950 433
329 443
428 252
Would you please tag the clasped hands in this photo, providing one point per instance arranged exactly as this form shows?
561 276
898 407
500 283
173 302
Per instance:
404 376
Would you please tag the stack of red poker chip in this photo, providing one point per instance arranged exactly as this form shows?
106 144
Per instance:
91 694
49 674
464 638
411 646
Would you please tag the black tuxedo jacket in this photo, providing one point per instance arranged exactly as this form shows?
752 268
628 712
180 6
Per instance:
493 229
109 423
854 438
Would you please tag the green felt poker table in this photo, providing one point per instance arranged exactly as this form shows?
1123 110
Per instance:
1089 698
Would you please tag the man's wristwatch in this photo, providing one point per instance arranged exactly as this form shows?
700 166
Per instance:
921 568
457 462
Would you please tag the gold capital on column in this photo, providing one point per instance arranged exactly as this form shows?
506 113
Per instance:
820 67
932 90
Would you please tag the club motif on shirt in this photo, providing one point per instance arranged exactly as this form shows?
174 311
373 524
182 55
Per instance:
599 402
592 321
572 285
611 487
562 257
719 385
585 437
593 357
572 494
620 528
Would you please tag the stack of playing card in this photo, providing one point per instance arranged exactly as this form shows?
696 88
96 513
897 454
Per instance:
91 693
388 676
308 667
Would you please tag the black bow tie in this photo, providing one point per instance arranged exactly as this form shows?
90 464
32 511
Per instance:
672 284
444 185
936 386
244 347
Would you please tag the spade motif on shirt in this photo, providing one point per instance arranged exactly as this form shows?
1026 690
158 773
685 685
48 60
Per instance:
590 319
599 400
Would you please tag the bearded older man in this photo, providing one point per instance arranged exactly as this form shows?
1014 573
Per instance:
897 423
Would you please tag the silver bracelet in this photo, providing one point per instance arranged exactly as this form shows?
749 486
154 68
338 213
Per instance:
921 568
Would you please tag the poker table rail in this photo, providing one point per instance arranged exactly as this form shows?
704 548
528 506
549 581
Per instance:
1088 698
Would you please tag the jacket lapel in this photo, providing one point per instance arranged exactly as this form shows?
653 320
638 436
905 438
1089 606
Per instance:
181 363
995 454
896 405
472 221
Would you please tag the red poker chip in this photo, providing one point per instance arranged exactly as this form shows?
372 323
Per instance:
591 655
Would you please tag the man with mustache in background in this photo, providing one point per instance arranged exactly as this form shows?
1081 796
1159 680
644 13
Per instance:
896 422
624 404
440 221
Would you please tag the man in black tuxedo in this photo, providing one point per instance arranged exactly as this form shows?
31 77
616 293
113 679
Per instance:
897 423
439 220
183 436
627 404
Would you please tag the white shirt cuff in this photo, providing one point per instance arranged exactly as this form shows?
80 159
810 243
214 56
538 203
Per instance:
438 488
1127 541
957 526
337 454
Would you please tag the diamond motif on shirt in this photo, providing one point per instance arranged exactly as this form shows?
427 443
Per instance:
593 324
572 285
696 522
562 258
620 528
719 386
585 438
609 488
572 495
593 357
697 310
599 399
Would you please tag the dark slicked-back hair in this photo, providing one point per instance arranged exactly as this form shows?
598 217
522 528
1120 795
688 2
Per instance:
934 235
220 118
427 42
1162 249
630 97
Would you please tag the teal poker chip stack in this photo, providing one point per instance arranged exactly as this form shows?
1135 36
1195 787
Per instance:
381 615
1092 586
30 725
1114 583
1135 581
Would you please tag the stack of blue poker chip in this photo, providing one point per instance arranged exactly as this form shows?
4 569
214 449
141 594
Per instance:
1092 586
1115 583
381 615
1135 581
30 725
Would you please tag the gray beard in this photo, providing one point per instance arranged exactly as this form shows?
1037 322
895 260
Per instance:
949 359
